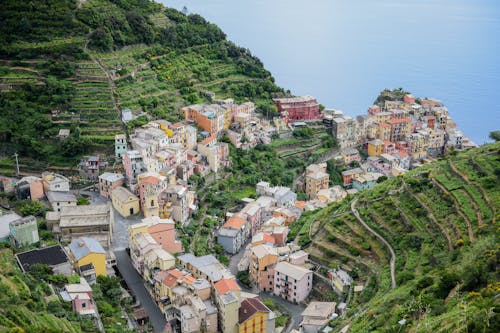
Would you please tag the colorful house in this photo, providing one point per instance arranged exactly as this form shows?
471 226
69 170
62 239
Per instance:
163 232
108 182
125 202
298 108
375 147
262 259
227 297
80 296
120 146
30 187
233 234
88 257
291 282
24 231
252 316
316 179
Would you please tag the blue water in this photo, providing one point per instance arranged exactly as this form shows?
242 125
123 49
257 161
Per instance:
345 51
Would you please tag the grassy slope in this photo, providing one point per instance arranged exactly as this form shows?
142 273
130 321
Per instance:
23 304
442 225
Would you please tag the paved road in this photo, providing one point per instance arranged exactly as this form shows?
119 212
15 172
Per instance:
393 255
293 309
135 282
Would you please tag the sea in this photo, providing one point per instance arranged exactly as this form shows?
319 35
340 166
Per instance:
344 52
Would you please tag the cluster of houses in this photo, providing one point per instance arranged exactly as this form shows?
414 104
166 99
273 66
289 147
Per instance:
411 131
194 293
262 225
66 220
84 256
164 155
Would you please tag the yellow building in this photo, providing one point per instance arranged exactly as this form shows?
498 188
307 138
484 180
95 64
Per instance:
157 259
252 316
316 179
375 148
88 257
125 202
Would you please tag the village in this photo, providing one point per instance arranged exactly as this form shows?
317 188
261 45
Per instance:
126 223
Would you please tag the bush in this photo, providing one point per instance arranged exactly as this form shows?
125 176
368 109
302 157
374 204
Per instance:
35 208
244 277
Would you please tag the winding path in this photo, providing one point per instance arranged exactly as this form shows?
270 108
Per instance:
392 262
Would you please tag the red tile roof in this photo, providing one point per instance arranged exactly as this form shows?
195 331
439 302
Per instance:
189 280
225 285
172 277
208 140
234 222
149 179
249 307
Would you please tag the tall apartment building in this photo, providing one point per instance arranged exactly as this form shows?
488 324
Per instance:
316 179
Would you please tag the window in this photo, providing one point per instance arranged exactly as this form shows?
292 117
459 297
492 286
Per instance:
84 305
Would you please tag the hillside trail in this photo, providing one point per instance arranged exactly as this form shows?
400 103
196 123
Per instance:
392 262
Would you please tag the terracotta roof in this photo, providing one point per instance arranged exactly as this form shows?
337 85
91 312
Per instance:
172 277
300 204
249 307
234 222
268 238
160 227
149 179
189 280
208 140
223 286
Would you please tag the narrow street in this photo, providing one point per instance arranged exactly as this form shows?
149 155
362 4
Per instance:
135 282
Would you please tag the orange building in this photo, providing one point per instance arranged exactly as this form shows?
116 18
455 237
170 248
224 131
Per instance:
208 117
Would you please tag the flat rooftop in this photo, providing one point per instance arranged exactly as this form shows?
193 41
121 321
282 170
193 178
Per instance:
52 256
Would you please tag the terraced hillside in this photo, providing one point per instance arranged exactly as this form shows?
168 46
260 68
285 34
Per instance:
76 64
440 221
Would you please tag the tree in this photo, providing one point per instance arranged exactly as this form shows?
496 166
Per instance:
40 271
101 40
495 135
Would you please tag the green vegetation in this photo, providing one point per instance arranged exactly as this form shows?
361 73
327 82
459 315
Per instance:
28 304
440 220
282 316
77 64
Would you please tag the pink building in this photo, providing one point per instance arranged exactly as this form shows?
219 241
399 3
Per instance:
108 182
253 213
291 282
80 296
267 279
373 110
409 99
298 108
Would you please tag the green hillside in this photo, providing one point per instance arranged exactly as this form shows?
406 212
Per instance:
76 63
28 304
441 222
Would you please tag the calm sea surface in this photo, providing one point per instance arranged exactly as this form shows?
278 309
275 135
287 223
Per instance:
345 51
